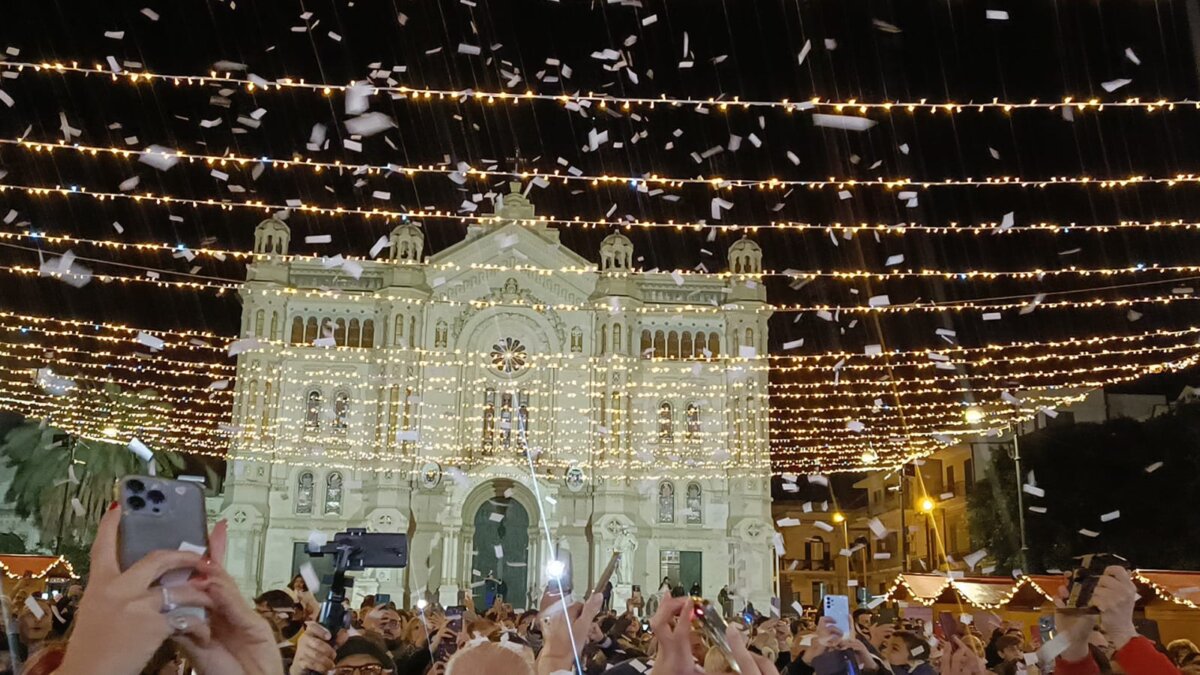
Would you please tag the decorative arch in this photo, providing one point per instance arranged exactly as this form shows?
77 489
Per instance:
666 502
695 504
333 493
305 489
297 330
666 422
312 409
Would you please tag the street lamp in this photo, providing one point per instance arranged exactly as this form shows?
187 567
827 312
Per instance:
926 506
838 517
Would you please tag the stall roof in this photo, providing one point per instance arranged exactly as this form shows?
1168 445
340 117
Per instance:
1181 588
16 566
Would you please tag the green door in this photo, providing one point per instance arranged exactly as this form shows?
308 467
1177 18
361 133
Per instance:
506 574
691 569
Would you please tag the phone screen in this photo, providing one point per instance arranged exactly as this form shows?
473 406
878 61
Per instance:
837 607
454 620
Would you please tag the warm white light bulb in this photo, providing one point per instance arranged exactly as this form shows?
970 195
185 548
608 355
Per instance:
422 604
555 568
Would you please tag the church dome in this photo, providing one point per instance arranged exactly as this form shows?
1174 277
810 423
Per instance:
272 236
745 257
616 253
407 241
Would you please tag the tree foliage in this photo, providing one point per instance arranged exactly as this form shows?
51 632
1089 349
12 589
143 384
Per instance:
41 459
1089 470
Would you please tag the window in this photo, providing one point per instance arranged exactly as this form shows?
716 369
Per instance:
441 334
506 418
749 337
398 332
275 326
310 330
522 419
297 330
333 493
312 410
701 345
686 350
695 504
304 493
489 418
714 344
354 338
950 480
603 341
647 345
616 338
660 344
576 340
259 318
368 333
666 502
693 422
665 431
341 411
968 475
339 333
265 417
673 345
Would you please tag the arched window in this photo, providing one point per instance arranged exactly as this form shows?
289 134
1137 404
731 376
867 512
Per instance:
310 330
506 418
368 333
660 344
398 333
354 338
312 410
714 344
576 340
616 338
489 418
339 332
260 318
333 493
265 417
412 331
647 344
693 421
603 341
275 326
666 432
304 493
685 349
297 330
695 504
341 411
673 345
700 346
666 502
749 337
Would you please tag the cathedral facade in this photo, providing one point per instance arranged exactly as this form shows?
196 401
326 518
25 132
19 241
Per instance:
505 402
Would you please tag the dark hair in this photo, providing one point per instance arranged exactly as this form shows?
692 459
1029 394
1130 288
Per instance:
362 644
619 626
917 647
1005 641
606 624
276 600
860 611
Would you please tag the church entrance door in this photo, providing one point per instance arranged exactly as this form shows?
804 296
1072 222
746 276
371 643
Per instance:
501 547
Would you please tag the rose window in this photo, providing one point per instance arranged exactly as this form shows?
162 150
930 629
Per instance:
508 355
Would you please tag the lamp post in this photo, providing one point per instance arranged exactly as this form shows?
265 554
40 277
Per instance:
840 519
926 506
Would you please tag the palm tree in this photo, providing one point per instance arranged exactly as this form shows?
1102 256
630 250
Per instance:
50 467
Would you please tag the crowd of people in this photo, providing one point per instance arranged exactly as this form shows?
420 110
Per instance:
127 623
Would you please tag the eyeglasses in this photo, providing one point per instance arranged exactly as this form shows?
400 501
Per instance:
373 669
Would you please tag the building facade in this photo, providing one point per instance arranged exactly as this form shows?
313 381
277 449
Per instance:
504 402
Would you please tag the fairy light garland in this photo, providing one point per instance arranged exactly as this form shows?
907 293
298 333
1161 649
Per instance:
60 560
603 180
450 266
847 229
601 100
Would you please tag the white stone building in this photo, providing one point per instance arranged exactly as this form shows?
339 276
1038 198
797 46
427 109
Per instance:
455 378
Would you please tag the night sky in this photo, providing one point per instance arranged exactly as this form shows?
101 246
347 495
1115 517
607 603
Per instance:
944 51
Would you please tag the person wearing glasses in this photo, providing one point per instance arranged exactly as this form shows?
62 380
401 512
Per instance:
358 655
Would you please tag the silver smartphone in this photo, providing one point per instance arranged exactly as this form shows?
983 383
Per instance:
160 514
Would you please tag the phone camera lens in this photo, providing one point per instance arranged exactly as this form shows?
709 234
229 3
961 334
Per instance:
136 502
136 485
156 497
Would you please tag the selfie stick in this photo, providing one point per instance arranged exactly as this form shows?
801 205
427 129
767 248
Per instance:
333 613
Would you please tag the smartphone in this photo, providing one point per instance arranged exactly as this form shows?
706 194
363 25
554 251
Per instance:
707 619
161 514
838 608
564 581
1083 581
607 573
950 626
382 599
454 619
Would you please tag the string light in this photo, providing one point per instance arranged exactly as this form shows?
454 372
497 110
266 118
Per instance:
601 180
450 266
847 229
603 100
958 587
60 560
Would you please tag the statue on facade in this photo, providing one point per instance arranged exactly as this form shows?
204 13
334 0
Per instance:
625 544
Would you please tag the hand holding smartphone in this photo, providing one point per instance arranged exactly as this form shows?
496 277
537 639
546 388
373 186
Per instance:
837 607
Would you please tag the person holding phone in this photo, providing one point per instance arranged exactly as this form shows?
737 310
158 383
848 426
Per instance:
233 638
908 654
